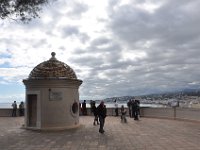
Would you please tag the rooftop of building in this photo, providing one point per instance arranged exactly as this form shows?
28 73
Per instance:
52 69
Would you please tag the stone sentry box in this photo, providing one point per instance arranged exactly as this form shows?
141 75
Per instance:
52 96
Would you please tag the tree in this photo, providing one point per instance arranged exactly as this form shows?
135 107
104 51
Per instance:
23 10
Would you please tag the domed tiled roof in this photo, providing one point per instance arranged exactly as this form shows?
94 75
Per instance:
51 69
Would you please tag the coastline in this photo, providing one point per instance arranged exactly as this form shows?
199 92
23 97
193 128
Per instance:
5 105
108 105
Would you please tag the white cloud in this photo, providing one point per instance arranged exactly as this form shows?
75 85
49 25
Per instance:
14 74
133 55
150 7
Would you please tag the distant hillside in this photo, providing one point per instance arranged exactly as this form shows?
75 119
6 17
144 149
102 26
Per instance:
160 96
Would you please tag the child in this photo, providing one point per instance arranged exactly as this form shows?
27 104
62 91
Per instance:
123 116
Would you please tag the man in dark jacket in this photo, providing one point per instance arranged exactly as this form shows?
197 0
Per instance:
84 109
135 109
14 110
102 112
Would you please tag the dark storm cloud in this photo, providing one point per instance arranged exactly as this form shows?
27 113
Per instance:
173 53
170 25
102 53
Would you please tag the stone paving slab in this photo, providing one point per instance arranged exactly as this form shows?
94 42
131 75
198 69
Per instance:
146 134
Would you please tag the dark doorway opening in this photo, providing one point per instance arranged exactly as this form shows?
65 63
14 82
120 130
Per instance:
32 110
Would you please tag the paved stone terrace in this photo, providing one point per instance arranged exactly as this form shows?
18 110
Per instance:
146 134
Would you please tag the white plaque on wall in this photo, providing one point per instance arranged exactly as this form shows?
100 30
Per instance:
55 96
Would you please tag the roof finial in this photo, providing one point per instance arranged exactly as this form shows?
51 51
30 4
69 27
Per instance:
53 54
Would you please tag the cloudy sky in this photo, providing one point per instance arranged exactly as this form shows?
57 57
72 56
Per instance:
117 47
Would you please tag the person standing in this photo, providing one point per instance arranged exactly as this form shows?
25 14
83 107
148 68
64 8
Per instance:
138 107
135 110
21 109
116 108
14 110
91 106
102 113
129 108
84 109
80 109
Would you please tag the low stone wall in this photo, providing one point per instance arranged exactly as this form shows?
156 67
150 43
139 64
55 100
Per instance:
157 112
190 114
5 112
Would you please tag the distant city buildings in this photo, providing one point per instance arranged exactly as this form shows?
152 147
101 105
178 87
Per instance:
190 100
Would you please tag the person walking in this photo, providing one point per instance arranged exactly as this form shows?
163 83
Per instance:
14 110
94 111
102 113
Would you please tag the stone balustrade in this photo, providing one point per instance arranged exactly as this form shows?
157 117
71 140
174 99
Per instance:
190 114
7 112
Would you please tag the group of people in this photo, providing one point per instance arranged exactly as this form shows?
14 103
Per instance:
14 109
134 109
100 112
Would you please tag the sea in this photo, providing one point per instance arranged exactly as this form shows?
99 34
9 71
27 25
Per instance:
6 105
112 105
108 105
